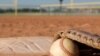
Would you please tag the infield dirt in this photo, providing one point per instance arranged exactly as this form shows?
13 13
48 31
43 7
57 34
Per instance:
12 26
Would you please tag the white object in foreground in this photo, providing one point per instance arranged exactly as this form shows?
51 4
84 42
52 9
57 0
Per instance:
64 47
24 46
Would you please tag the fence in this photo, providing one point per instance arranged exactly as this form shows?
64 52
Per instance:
14 5
76 8
71 7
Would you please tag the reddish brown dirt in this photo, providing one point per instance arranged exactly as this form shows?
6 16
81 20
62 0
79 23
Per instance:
12 26
46 25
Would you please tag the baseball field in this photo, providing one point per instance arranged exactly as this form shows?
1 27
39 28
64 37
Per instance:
37 25
11 26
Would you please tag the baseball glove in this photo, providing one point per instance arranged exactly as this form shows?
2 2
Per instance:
88 44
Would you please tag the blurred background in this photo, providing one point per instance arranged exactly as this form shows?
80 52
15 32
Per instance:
50 7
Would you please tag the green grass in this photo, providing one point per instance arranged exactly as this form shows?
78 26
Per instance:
12 14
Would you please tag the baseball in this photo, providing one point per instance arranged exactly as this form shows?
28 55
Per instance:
64 47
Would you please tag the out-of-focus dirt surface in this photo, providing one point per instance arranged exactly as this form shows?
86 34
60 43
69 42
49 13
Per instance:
11 26
15 26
